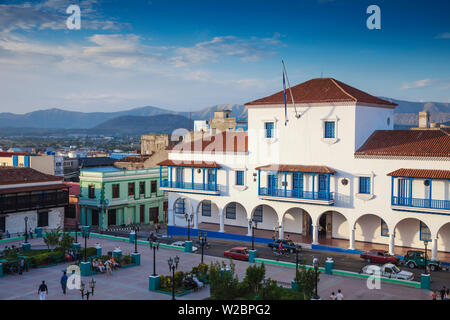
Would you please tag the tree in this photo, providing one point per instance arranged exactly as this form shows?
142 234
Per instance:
306 279
66 241
223 281
254 277
51 238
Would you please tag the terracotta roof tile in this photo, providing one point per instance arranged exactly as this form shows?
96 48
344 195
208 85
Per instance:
323 90
421 173
14 175
227 141
10 154
296 168
419 143
195 164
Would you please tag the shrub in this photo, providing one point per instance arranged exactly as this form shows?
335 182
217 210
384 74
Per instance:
223 285
254 276
178 279
126 259
203 268
306 279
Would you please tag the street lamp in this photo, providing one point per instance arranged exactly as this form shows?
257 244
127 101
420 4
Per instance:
253 224
85 234
154 246
26 229
297 249
87 293
316 268
202 239
76 232
173 265
189 218
426 244
136 229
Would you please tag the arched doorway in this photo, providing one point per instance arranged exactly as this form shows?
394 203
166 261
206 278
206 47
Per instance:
235 215
371 228
208 215
411 233
182 206
331 226
444 238
297 224
266 217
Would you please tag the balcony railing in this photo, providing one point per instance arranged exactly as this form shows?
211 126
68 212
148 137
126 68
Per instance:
189 185
296 194
421 203
15 203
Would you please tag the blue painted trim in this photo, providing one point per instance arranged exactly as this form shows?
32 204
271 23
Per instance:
333 249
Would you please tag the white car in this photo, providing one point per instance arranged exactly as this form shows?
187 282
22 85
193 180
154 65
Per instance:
181 244
388 270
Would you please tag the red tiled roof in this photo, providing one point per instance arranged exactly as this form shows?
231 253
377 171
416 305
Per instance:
227 141
14 175
419 143
421 173
195 164
10 154
323 90
35 188
296 168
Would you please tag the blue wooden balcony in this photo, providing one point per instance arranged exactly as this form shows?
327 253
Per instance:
180 186
420 203
321 197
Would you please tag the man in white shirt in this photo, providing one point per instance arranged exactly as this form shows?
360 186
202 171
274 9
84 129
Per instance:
339 295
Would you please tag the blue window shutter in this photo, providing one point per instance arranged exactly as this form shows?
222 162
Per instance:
364 185
269 129
27 161
15 161
206 208
329 129
230 212
240 178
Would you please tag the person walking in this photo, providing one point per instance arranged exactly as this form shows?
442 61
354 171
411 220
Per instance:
332 296
434 295
42 291
442 292
21 265
339 295
64 282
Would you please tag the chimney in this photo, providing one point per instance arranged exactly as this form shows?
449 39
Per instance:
424 119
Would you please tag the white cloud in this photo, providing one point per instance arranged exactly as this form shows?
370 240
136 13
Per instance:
445 35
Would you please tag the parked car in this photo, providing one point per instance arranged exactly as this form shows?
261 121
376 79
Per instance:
181 244
388 270
379 256
287 244
415 259
238 253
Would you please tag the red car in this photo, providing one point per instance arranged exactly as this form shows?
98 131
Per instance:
379 256
238 253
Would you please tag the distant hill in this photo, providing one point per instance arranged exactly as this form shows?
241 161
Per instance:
136 125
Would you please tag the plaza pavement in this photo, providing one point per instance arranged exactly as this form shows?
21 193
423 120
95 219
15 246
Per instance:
132 283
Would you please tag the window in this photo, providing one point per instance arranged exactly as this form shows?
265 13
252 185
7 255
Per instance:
142 187
384 229
364 185
70 211
329 129
43 219
425 234
115 191
91 192
258 214
3 224
131 189
153 189
230 212
206 208
179 207
240 178
269 129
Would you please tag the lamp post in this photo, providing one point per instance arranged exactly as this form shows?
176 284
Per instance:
154 246
85 234
189 218
297 249
26 229
316 268
202 239
253 225
87 293
173 265
426 260
76 232
136 229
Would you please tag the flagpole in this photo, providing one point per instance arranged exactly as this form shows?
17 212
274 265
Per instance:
290 90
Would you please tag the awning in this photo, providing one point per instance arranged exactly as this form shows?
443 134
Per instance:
421 173
296 168
195 164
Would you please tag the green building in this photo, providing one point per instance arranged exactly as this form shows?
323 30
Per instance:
111 196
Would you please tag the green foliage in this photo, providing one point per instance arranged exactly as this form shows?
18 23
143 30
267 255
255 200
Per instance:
51 238
66 242
224 284
254 276
306 279
203 268
125 260
179 275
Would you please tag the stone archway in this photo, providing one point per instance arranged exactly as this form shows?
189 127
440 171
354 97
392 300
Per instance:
331 225
208 214
297 224
266 216
371 228
443 236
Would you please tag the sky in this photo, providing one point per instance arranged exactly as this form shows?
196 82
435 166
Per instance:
186 55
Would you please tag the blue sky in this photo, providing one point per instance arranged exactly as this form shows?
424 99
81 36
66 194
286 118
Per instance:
186 55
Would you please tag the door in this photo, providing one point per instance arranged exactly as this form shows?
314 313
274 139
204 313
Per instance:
402 191
322 186
95 217
179 181
142 214
211 179
154 214
272 184
297 185
112 217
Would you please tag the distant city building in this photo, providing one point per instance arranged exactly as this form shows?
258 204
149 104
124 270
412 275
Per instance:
72 213
28 193
110 196
48 164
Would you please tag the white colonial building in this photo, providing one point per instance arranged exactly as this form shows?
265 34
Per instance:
335 170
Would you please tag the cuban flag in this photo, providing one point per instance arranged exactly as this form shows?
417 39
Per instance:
285 105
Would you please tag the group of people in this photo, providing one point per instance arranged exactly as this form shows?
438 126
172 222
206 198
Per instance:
338 296
107 267
444 293
73 255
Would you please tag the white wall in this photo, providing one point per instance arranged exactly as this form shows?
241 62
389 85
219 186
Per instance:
15 222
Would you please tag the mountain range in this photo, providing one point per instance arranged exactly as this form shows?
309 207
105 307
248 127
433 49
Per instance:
158 120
